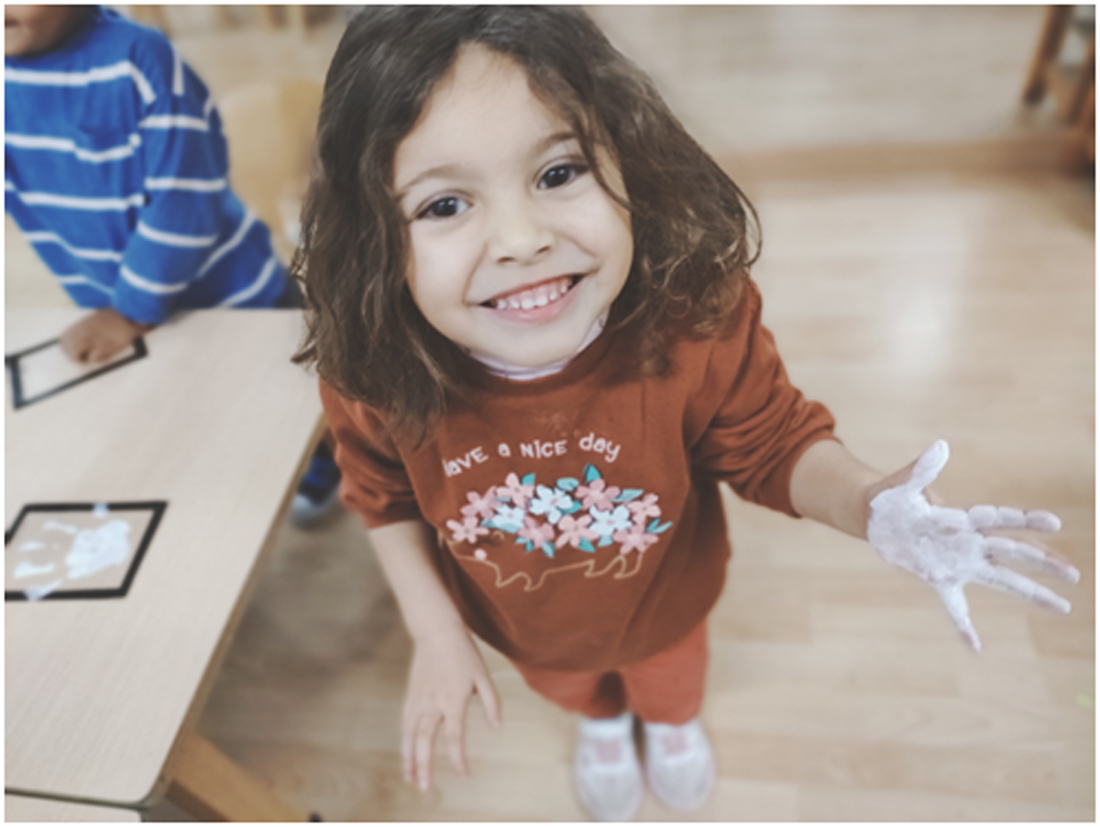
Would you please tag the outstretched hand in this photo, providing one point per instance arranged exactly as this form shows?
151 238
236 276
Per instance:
949 547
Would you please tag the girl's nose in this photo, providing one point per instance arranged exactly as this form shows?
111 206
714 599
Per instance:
518 236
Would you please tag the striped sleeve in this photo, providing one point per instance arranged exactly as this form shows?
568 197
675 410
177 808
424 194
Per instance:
116 169
185 168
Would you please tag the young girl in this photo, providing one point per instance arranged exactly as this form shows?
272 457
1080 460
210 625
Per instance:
540 352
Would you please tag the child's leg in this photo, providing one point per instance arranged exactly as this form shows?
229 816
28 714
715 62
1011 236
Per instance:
592 694
668 687
606 774
319 488
666 691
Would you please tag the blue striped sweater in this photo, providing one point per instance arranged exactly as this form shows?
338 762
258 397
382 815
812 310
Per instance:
116 170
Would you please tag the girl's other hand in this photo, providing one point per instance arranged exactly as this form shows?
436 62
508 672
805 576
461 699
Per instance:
100 336
949 547
446 670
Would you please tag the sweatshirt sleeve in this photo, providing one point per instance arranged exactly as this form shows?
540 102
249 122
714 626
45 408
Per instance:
185 164
762 423
375 482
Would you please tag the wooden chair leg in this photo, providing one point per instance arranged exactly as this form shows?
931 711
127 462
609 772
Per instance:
211 787
151 16
268 17
1085 79
226 19
1081 147
1050 42
296 18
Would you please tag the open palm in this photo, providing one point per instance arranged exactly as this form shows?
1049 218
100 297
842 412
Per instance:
949 547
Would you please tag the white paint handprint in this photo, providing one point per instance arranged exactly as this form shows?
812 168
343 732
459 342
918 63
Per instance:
947 547
96 549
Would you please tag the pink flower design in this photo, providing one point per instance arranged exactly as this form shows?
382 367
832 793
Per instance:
467 530
636 539
573 531
597 494
513 490
643 508
480 505
535 533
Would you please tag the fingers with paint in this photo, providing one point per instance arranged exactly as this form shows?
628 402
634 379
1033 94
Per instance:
949 548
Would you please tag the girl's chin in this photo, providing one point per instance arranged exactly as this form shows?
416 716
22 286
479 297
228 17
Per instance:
506 354
528 346
513 361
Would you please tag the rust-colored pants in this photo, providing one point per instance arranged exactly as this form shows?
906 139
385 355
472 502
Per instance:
666 688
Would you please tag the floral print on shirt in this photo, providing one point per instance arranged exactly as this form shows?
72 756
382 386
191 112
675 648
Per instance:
583 515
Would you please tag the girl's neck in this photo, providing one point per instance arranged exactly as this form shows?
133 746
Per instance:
521 374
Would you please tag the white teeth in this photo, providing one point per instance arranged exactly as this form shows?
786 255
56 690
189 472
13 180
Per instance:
537 297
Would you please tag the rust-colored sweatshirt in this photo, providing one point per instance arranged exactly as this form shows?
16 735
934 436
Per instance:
578 515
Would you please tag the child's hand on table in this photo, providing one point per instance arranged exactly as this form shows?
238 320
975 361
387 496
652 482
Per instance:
98 337
446 669
949 547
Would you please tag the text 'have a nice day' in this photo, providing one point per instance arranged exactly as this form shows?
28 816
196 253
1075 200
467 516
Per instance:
535 449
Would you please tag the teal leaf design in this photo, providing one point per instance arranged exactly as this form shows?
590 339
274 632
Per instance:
568 483
529 479
591 472
548 549
572 508
507 528
605 540
656 527
584 545
629 494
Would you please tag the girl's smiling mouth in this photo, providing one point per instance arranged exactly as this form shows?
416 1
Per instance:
537 302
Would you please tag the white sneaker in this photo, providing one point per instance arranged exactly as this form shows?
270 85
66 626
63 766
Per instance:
606 773
679 765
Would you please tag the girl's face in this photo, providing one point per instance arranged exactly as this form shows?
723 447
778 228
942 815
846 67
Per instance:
516 250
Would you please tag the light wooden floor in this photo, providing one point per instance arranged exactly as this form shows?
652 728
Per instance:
928 272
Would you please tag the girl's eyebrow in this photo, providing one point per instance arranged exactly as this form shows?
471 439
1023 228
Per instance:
551 140
450 170
441 171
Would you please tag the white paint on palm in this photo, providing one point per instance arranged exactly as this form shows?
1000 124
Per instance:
947 548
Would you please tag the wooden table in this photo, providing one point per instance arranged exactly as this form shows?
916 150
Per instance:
102 695
23 808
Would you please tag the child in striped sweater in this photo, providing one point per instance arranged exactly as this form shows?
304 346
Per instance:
116 171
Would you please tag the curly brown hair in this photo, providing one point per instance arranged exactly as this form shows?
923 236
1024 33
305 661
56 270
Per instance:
695 232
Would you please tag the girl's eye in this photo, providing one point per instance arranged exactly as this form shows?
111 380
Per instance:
444 208
560 175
